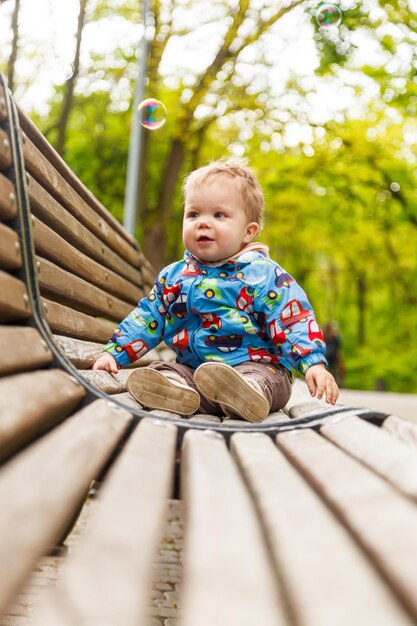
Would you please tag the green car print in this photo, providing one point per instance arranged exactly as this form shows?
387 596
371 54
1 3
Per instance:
210 288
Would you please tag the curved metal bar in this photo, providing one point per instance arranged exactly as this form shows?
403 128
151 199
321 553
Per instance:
28 275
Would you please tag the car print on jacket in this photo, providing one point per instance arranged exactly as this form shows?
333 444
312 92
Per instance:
282 278
181 340
211 321
224 344
245 299
294 313
277 334
272 298
260 355
315 333
208 312
135 349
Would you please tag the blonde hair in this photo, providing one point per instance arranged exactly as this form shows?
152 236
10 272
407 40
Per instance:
239 173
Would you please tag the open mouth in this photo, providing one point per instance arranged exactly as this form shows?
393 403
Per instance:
204 239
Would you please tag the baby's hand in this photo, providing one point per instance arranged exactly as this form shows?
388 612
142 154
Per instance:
106 362
318 378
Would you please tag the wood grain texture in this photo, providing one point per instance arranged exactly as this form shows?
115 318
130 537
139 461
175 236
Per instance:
31 403
41 489
82 354
10 255
45 147
378 449
401 429
381 519
122 540
77 293
8 207
302 531
229 579
52 213
45 173
301 403
66 321
14 300
5 150
51 246
21 349
109 383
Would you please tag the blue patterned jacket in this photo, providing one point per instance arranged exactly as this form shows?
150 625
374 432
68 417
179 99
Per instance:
245 309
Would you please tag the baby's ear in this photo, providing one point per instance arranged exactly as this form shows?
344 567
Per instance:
251 231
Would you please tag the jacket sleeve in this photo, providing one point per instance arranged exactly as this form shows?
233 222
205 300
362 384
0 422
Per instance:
290 321
141 330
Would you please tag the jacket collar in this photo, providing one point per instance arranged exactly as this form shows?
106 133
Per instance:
247 254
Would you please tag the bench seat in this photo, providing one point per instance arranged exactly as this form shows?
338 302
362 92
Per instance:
307 519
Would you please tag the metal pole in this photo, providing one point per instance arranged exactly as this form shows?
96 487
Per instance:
136 133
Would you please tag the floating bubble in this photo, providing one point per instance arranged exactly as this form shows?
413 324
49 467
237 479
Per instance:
61 71
152 114
328 15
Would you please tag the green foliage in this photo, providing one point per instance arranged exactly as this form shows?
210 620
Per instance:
341 210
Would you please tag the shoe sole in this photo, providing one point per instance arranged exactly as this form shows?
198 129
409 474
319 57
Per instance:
221 383
154 391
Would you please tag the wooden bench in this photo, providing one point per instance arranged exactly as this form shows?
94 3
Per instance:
308 518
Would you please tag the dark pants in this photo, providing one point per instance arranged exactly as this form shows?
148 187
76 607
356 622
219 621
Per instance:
275 381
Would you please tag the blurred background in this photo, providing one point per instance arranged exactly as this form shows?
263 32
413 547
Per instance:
325 114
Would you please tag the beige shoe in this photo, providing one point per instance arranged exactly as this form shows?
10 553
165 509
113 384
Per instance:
223 384
155 391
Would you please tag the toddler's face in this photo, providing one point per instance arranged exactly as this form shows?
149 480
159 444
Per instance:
215 225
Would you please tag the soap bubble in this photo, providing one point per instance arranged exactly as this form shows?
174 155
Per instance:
152 113
61 71
328 15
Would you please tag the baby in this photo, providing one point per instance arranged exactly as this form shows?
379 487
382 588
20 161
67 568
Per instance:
236 320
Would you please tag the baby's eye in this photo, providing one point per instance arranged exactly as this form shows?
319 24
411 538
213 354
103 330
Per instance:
219 214
192 214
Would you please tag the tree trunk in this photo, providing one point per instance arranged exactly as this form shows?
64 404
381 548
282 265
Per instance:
70 84
361 309
155 237
15 43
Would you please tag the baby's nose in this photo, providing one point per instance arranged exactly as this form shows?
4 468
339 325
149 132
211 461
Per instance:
203 220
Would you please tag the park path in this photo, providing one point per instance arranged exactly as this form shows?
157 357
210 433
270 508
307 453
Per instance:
401 404
164 598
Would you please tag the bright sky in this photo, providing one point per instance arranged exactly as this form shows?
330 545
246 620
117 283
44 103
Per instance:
48 26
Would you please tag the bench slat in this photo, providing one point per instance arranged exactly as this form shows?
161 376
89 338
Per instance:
301 403
301 530
29 350
377 449
229 580
41 489
66 321
5 151
118 548
3 106
109 383
77 293
82 354
42 143
33 402
10 255
55 248
47 209
8 207
382 520
14 300
402 429
48 176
